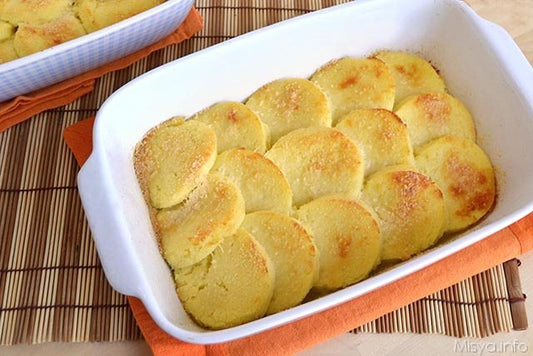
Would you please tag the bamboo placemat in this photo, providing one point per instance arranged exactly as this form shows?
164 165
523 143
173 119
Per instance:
52 287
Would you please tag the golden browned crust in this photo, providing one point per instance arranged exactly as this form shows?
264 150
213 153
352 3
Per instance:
465 176
355 83
263 185
348 239
413 75
173 159
433 115
410 208
235 125
285 105
382 137
231 286
318 161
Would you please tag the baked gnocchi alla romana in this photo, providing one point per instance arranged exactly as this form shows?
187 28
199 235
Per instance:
310 184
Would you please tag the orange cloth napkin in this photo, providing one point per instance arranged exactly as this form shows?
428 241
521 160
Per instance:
23 107
287 339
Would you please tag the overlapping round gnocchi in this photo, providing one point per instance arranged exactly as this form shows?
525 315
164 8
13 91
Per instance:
310 184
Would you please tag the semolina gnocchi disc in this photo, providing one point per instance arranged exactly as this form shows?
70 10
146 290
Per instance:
356 83
288 104
347 237
410 209
260 181
173 159
381 136
464 174
430 116
293 254
412 74
318 161
192 230
232 286
235 125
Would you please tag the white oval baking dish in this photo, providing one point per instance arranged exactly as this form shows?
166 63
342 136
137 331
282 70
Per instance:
93 50
479 61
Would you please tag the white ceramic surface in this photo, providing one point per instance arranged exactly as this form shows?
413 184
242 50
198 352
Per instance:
82 54
479 61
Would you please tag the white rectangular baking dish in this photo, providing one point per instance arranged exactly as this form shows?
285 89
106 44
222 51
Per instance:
93 50
479 61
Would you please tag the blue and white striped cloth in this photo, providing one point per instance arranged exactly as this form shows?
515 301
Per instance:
69 59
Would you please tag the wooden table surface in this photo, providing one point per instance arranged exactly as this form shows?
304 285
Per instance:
516 16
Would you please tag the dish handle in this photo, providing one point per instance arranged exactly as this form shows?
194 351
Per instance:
108 234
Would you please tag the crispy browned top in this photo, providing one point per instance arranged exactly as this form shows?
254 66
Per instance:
435 108
470 185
